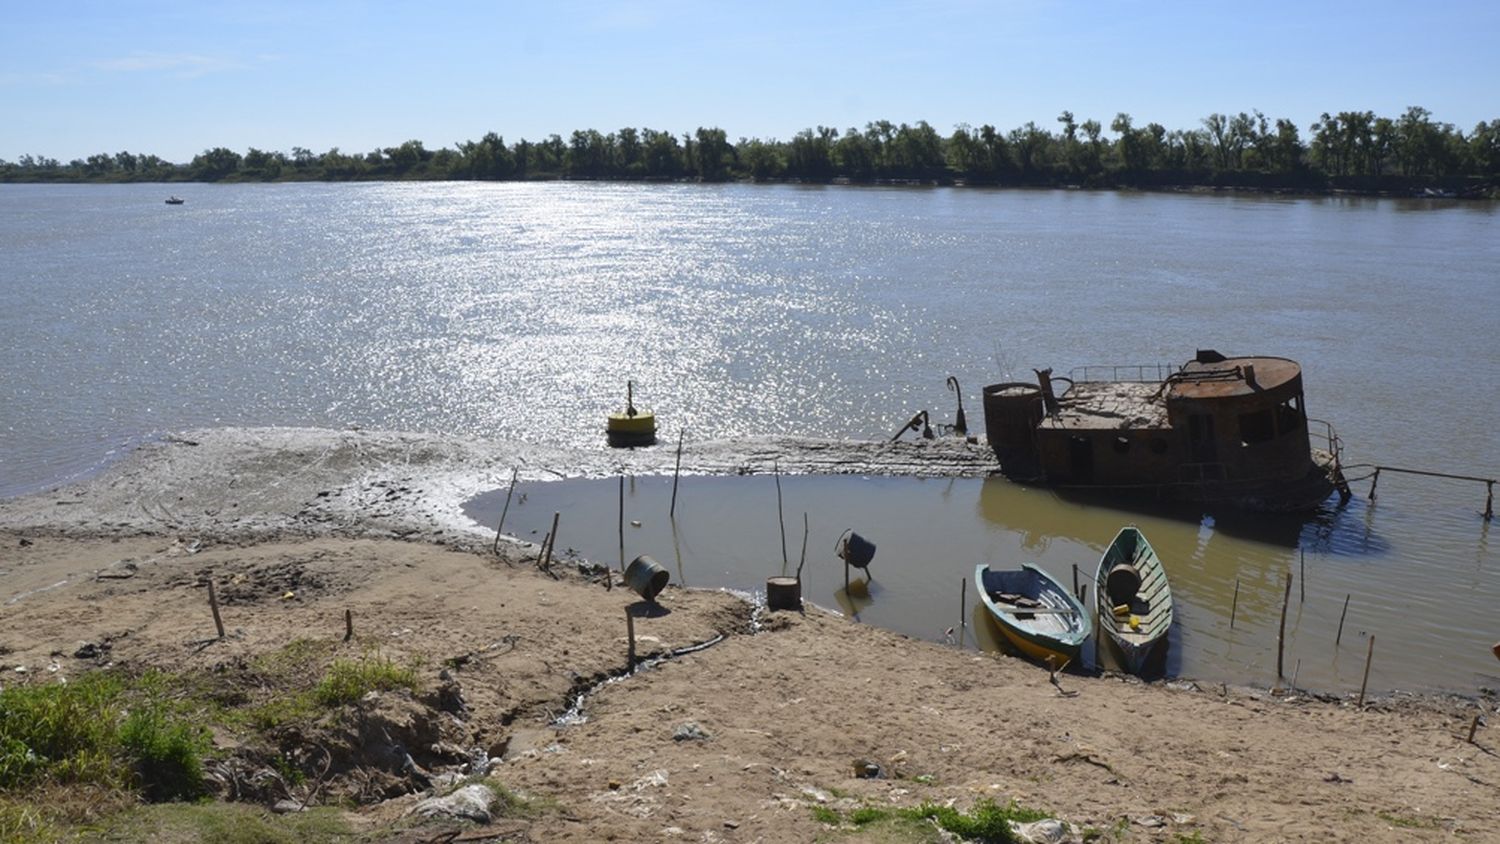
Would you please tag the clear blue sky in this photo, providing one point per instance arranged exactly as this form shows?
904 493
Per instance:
175 78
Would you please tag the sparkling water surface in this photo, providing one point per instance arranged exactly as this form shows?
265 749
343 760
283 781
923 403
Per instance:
519 311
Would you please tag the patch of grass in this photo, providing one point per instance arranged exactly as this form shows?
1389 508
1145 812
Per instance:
228 823
165 754
1194 837
823 814
349 680
987 821
60 731
26 822
1403 822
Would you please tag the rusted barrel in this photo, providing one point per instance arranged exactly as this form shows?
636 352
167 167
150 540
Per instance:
646 576
783 593
856 550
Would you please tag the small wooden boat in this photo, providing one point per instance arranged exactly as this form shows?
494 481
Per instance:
1037 615
1134 600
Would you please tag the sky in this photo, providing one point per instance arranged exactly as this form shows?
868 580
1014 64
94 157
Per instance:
176 78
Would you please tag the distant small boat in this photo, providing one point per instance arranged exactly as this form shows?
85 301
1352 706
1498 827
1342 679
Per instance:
175 200
1134 600
1038 615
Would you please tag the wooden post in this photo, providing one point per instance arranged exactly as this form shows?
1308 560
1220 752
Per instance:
1075 580
1473 725
630 632
676 471
1302 575
622 524
1083 595
348 624
1281 634
551 543
1374 481
1369 655
775 467
1489 501
1234 605
1340 636
506 509
802 561
1295 671
846 577
213 604
963 607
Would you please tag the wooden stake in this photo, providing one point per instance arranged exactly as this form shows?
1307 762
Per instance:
777 469
1234 605
803 560
348 624
1340 636
1281 634
1075 580
1473 725
213 604
506 509
551 543
1302 574
672 512
630 632
1369 655
963 606
622 524
1295 672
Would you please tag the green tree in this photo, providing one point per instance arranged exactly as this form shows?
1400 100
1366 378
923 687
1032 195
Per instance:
215 164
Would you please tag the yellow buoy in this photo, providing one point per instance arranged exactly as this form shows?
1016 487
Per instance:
632 427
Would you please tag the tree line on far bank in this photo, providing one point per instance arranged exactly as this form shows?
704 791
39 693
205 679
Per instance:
1353 150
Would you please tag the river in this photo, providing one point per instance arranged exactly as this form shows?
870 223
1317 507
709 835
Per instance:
520 310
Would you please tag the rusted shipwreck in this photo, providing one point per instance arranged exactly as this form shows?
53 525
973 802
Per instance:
1223 430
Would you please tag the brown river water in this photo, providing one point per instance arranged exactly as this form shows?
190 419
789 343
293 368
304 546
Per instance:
519 311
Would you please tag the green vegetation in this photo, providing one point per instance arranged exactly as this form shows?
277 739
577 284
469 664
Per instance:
987 822
80 753
99 730
349 680
228 823
1349 150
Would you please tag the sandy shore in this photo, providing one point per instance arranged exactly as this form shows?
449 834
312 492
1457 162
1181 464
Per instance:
297 527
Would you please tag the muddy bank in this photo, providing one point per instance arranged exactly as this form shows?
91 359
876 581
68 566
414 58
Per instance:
761 736
233 483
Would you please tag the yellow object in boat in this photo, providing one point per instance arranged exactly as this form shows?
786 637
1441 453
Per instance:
1135 622
1122 610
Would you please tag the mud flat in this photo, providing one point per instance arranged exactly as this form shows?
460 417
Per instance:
749 729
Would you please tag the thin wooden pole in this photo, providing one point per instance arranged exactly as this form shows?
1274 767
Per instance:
963 607
1302 575
551 542
1281 634
1075 580
1473 725
622 524
1340 636
506 509
779 519
676 471
630 633
348 624
802 561
213 604
1234 605
1369 655
1295 671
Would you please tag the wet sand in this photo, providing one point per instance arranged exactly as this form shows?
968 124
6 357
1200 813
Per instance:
297 526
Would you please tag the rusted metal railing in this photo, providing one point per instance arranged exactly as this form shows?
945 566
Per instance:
1144 373
1489 498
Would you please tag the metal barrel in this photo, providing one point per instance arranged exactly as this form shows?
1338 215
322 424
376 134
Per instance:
646 576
